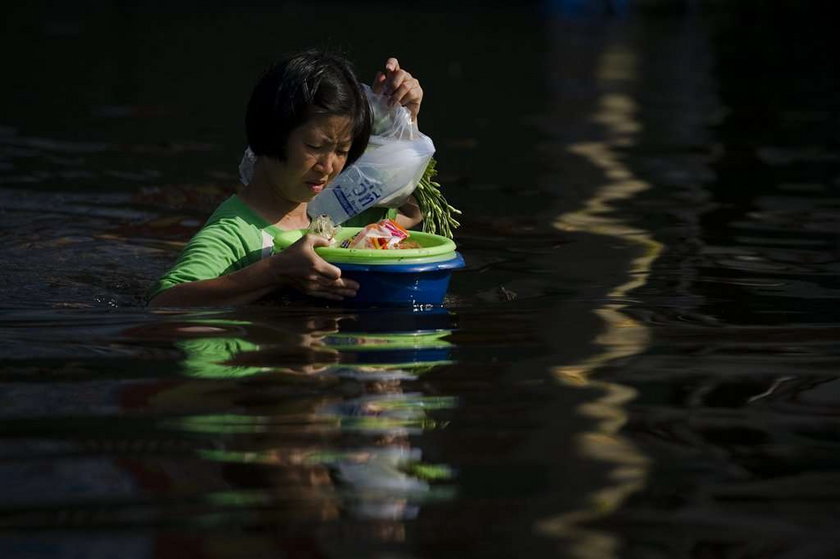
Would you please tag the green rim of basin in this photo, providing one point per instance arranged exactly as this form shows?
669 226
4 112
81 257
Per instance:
434 248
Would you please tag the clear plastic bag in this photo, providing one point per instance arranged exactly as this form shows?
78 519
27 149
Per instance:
389 170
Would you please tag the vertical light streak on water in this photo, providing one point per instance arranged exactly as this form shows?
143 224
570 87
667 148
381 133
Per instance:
622 336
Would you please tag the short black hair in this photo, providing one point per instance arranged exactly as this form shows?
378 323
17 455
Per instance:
295 89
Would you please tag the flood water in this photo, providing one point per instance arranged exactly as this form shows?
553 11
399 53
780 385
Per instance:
640 359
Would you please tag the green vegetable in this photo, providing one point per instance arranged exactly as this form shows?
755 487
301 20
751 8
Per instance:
437 213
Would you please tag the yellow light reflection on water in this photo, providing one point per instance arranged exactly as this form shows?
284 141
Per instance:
622 336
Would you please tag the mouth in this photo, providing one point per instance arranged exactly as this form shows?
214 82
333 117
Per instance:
316 186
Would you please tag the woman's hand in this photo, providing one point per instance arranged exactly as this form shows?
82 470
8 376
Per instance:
301 268
298 267
400 86
410 215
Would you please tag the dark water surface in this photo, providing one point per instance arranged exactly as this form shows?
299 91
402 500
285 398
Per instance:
640 360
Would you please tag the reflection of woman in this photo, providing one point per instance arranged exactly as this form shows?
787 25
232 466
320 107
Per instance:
225 357
307 119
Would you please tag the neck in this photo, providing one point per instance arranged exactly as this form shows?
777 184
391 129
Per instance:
268 204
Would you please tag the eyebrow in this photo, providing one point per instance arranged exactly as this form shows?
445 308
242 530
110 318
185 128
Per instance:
324 138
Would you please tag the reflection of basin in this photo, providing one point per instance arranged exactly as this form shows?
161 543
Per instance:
396 349
362 341
396 337
418 276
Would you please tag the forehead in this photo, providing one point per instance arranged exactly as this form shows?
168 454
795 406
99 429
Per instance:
338 129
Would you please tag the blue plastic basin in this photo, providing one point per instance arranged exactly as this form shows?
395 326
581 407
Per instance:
401 284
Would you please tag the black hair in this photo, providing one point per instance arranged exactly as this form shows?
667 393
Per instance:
295 89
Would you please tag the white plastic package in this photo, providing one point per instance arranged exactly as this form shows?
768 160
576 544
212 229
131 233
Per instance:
387 173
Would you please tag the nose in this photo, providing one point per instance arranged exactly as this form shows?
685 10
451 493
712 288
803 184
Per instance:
328 164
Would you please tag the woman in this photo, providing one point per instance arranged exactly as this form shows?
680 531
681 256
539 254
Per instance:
307 119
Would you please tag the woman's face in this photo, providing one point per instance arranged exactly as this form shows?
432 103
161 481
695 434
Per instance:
315 155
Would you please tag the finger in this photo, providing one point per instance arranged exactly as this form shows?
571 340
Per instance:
348 283
322 325
409 93
339 287
308 243
343 293
378 82
322 267
318 287
316 240
395 80
392 64
326 271
411 101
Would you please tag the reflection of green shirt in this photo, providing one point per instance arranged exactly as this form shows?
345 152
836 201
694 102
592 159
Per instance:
207 357
232 238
